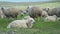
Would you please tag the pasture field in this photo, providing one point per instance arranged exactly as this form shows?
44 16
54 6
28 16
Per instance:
39 27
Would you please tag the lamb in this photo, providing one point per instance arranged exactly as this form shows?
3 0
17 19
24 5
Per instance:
51 18
24 23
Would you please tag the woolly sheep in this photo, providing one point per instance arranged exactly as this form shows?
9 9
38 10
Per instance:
24 23
54 11
10 12
44 13
34 12
51 18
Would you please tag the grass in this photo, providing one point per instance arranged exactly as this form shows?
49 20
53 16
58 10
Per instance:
39 27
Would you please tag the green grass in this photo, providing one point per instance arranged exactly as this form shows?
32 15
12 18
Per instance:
39 27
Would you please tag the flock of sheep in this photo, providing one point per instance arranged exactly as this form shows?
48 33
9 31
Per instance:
50 14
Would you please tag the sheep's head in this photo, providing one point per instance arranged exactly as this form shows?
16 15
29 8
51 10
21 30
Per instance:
30 22
29 19
46 9
22 12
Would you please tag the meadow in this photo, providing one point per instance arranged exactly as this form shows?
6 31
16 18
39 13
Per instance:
39 27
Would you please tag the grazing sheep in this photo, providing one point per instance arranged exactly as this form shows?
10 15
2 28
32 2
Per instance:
10 12
51 18
34 12
24 23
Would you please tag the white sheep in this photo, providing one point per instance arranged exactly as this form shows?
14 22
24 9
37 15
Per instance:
24 23
44 13
51 18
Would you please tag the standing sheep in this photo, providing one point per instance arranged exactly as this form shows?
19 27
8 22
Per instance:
54 11
24 23
34 12
10 12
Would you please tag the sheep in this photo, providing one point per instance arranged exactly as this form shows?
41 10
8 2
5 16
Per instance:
51 18
54 11
10 12
44 13
24 23
34 12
